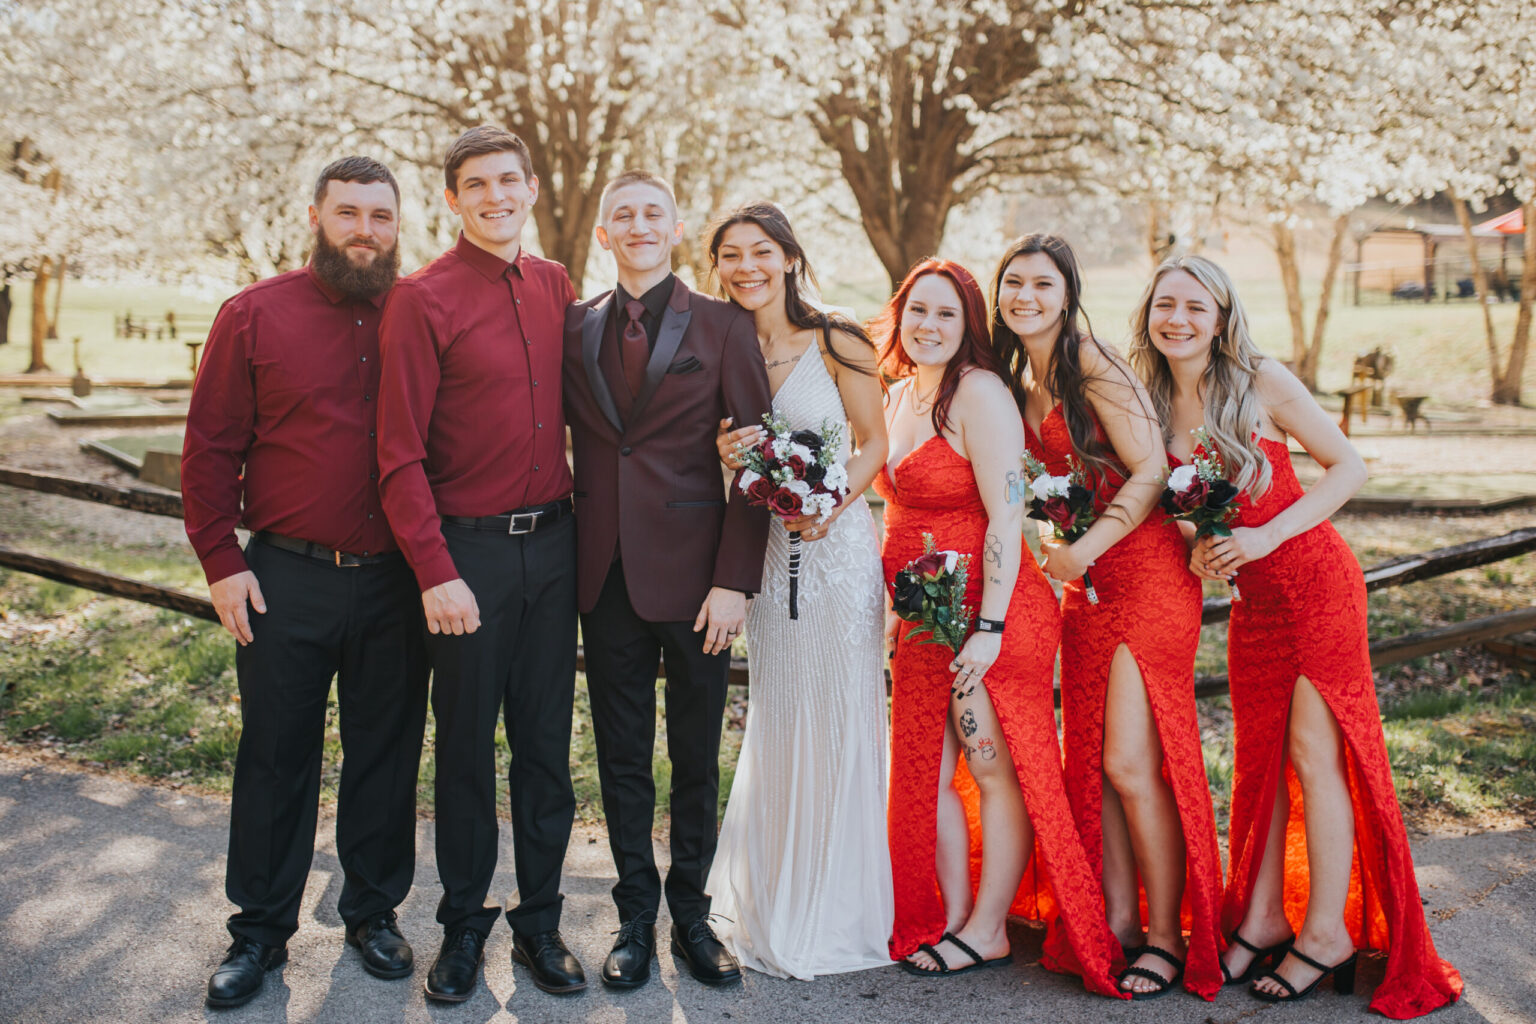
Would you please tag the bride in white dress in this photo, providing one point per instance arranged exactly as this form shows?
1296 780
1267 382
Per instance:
802 875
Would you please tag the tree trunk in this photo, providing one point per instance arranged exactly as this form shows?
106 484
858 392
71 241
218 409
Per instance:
1308 369
1158 243
1507 391
58 297
40 315
1480 283
5 312
1290 275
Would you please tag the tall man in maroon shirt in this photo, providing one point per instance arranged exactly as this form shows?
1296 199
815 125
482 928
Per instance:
666 558
476 485
286 392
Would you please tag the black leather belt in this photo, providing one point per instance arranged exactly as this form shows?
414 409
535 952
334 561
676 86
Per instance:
322 553
519 520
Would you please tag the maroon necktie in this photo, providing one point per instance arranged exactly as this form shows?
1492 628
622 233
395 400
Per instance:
635 351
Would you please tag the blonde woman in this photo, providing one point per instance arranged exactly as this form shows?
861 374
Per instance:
1303 699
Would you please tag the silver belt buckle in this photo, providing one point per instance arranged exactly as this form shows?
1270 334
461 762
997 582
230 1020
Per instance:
523 522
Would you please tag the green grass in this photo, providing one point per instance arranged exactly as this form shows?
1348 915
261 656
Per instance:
1466 752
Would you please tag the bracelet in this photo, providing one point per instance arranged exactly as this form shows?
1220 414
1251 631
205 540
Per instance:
989 625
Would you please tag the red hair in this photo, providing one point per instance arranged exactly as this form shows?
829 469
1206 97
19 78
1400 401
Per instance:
975 344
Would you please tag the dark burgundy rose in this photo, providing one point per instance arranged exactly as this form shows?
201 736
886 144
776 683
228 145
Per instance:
809 438
1059 511
1191 497
761 491
907 595
785 503
930 564
796 466
815 473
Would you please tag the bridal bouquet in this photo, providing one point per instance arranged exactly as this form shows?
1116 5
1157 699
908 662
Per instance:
931 590
794 474
1200 493
1066 502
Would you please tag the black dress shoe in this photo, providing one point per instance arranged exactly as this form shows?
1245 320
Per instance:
245 967
707 959
457 967
554 968
386 954
629 965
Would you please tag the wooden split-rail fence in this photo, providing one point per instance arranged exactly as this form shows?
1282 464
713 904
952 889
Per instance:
1384 650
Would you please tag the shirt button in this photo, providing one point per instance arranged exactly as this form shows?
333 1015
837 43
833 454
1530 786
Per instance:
540 426
625 450
365 554
367 398
365 359
370 515
535 469
359 323
373 476
370 433
535 383
517 302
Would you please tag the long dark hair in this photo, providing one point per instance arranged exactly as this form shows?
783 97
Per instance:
1064 377
796 268
975 350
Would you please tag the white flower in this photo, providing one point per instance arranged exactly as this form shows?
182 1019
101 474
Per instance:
799 487
820 505
801 450
950 558
781 446
836 479
1181 478
748 478
1047 487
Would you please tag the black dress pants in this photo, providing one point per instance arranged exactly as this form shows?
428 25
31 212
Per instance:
622 654
362 625
520 663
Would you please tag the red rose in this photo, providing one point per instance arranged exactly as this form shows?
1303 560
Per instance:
931 564
761 491
784 503
1059 511
1193 496
796 466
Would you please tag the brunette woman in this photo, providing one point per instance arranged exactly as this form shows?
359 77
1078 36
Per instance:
1135 772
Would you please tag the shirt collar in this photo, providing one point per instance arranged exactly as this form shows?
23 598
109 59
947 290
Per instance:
335 297
654 300
488 264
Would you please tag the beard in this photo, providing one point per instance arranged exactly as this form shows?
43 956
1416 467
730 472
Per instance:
337 269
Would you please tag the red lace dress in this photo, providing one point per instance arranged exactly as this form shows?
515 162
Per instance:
1150 603
1302 613
934 491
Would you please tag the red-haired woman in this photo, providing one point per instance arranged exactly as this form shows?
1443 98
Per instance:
955 444
1135 773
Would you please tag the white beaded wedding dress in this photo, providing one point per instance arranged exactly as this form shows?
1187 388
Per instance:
803 872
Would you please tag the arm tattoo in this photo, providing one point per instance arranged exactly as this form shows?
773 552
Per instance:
995 579
994 549
1015 486
968 724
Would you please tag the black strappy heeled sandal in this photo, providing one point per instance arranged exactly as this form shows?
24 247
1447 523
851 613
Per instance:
1343 974
976 964
1273 954
1163 984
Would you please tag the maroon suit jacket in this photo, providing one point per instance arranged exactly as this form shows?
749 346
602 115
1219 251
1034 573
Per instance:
649 485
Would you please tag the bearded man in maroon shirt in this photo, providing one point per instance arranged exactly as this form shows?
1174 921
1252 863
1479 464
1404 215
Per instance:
478 491
280 437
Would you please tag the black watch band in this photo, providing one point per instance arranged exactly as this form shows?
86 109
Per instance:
989 625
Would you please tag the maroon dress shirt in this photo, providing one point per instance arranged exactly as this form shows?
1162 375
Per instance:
470 420
287 388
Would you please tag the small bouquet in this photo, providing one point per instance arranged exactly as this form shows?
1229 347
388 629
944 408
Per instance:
931 590
1200 493
1066 502
794 474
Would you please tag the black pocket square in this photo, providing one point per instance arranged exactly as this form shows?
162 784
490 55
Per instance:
690 364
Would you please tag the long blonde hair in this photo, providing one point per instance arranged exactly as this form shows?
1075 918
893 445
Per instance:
1229 383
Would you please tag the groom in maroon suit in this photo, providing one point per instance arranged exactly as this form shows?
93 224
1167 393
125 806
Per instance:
666 558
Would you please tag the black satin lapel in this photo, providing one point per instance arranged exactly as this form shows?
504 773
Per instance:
591 343
674 323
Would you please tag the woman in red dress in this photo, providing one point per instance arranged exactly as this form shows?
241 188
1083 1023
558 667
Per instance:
972 841
1310 756
1135 772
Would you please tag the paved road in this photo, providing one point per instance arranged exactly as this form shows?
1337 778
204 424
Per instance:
112 908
